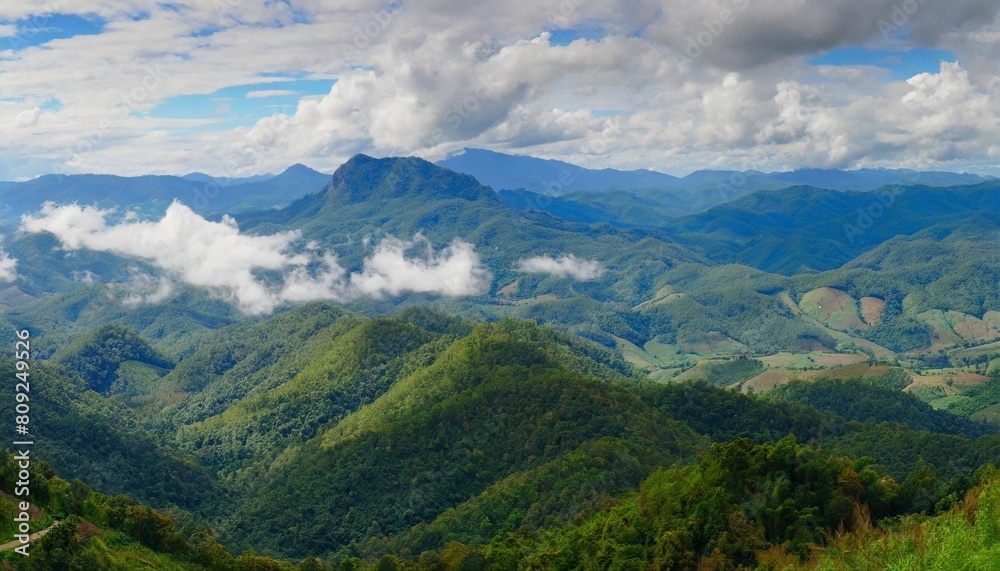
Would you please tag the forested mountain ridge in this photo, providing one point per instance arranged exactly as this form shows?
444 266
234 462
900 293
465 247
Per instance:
906 287
809 229
659 285
503 437
419 432
73 526
107 357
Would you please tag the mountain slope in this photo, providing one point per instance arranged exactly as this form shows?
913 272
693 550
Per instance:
99 356
274 192
84 435
81 528
406 196
486 408
242 358
352 371
807 229
152 193
174 327
319 432
364 189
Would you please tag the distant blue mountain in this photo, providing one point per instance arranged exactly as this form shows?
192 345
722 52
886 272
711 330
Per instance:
152 194
516 172
870 179
272 192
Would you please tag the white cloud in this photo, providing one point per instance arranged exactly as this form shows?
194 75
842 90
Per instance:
456 271
565 266
444 74
737 34
8 267
258 273
264 93
144 289
85 277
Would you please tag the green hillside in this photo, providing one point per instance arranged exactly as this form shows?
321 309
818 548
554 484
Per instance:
742 277
799 229
174 327
111 357
551 422
441 422
422 437
84 529
86 436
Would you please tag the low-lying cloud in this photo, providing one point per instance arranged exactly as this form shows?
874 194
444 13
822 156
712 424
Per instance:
565 266
260 273
8 267
143 289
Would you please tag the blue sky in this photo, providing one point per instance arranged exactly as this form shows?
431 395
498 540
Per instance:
900 64
242 105
38 30
226 108
562 37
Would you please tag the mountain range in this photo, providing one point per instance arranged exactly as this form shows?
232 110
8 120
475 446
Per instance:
649 198
521 172
769 378
150 195
683 283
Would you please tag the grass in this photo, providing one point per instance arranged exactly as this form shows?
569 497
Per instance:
989 414
945 403
834 308
972 352
967 537
723 373
812 360
112 550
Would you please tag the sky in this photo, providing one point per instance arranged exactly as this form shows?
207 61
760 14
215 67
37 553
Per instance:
243 87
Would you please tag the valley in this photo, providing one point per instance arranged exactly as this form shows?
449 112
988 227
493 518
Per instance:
534 421
446 285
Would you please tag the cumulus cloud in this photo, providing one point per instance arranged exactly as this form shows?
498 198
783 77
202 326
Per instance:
738 34
698 84
8 267
258 273
456 271
565 266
